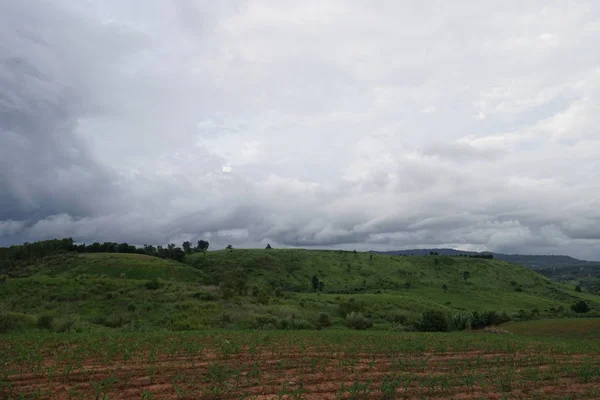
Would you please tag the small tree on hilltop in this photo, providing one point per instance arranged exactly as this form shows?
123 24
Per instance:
268 246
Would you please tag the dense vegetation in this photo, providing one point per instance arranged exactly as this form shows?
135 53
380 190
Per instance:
61 286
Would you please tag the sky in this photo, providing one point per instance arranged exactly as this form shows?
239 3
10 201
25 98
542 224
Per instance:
349 124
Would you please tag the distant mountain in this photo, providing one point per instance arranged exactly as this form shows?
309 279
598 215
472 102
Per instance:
530 261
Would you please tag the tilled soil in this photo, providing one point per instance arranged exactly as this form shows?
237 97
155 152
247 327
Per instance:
308 374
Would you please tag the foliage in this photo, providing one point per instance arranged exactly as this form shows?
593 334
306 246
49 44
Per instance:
580 307
323 320
45 321
433 321
356 320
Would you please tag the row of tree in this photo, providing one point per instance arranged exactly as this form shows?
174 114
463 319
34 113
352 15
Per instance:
29 251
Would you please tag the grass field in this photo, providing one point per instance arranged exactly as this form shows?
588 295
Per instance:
297 365
583 329
243 289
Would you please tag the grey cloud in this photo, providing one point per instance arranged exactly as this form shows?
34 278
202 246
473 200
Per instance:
327 125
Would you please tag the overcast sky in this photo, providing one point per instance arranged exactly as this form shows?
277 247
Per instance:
334 124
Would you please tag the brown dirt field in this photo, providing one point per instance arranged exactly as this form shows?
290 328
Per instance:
294 374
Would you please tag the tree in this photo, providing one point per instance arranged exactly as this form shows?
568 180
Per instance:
315 283
177 254
407 285
187 247
229 247
202 246
580 307
321 286
466 275
268 246
445 288
578 288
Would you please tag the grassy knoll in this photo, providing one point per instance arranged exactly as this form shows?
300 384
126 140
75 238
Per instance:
266 289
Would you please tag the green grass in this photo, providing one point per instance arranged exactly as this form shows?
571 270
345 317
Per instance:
572 329
214 289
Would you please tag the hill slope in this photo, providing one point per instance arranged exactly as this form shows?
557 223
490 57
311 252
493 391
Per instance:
258 288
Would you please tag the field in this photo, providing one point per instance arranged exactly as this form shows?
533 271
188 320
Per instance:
330 364
585 329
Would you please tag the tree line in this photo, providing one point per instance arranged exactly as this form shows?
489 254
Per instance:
29 251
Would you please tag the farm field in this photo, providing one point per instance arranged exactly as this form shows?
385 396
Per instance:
330 364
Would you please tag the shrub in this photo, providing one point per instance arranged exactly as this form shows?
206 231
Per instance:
323 320
398 318
63 324
299 324
433 321
356 320
461 321
15 321
266 322
45 321
205 296
153 284
347 307
580 307
3 278
112 321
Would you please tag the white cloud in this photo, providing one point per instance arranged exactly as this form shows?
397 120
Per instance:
334 123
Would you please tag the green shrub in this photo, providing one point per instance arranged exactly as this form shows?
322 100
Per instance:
580 307
356 320
433 321
153 284
205 296
112 321
323 320
3 279
64 324
299 324
347 307
45 321
461 321
397 318
10 322
265 322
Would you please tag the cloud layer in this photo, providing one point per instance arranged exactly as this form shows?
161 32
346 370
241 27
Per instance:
329 124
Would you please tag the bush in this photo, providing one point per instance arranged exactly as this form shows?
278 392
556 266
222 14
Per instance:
580 307
398 318
45 321
153 284
63 324
205 296
15 322
461 321
112 321
3 278
347 307
323 320
433 321
356 320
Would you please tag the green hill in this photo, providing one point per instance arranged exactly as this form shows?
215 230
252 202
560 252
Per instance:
266 288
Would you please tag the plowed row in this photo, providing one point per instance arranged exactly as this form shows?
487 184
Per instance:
305 370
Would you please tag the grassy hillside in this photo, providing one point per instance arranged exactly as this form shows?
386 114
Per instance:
266 288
